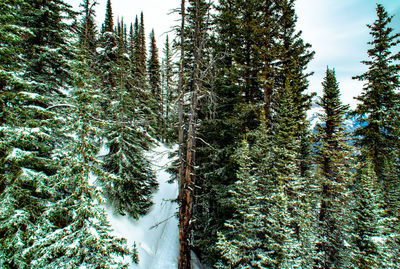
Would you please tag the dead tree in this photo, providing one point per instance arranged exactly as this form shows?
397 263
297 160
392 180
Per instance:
187 183
184 248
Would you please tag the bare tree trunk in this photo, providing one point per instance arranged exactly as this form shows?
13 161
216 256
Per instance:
184 249
187 184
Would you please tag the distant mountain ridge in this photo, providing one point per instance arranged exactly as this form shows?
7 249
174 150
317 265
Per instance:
350 122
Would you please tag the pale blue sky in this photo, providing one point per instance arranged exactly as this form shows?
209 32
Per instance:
337 31
335 28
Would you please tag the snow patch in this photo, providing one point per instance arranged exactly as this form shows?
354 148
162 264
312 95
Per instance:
30 94
156 234
378 239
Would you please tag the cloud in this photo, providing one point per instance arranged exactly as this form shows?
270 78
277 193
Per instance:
338 33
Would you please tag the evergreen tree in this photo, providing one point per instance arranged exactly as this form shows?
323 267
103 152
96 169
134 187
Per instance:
168 90
11 62
131 44
141 53
108 25
378 114
129 191
284 164
293 57
378 109
257 52
154 78
193 86
136 47
49 214
259 235
368 243
121 33
87 28
47 51
153 69
333 175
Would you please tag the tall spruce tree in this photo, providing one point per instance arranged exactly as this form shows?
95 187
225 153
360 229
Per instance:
141 52
87 28
378 108
333 159
284 163
168 89
293 57
378 113
273 229
153 69
259 234
131 44
129 191
368 243
108 25
154 78
195 37
237 91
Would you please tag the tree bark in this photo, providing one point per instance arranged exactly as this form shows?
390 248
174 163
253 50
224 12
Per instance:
184 250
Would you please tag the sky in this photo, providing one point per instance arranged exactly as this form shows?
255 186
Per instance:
336 29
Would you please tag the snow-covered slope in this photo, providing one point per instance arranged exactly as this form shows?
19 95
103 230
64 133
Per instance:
313 115
156 234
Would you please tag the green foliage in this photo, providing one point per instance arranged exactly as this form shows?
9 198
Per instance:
258 52
334 165
154 78
169 93
378 108
126 112
108 25
378 115
87 28
50 135
368 241
271 226
47 50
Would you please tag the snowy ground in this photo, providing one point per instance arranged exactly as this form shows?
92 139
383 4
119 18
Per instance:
156 234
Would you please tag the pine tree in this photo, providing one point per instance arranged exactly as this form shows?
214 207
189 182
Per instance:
129 191
259 235
141 53
131 44
378 113
136 47
168 89
258 51
49 213
47 51
153 67
121 34
11 63
368 248
333 161
108 25
378 109
154 78
87 28
285 169
293 57
194 37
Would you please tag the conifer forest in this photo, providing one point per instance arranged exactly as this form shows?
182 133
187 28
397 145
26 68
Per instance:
198 150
